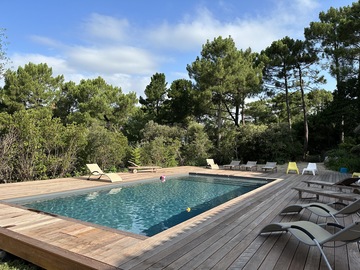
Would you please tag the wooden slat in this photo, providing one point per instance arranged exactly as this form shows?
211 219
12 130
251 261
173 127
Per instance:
225 237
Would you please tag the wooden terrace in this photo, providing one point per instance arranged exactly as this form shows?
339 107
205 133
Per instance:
225 237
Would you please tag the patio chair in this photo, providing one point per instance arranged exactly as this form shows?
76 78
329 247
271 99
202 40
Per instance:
211 164
344 184
292 166
347 181
249 165
95 170
135 168
315 235
337 194
311 167
324 210
271 166
233 164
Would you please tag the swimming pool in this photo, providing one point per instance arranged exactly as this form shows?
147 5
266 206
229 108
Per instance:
147 208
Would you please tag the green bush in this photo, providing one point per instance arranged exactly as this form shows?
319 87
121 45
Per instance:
10 262
106 148
342 158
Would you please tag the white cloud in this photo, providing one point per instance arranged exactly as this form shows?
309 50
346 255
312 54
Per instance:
106 28
126 56
114 59
133 83
48 42
287 18
58 65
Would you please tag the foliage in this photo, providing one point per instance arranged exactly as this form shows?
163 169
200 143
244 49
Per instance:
135 155
132 128
37 146
30 87
180 107
341 158
95 101
155 97
3 46
18 264
160 145
224 77
11 262
50 128
267 143
7 155
336 39
105 148
229 146
196 146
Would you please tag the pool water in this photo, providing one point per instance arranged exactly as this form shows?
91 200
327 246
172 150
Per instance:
148 208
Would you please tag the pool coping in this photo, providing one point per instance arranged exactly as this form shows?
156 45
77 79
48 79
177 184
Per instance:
169 233
17 202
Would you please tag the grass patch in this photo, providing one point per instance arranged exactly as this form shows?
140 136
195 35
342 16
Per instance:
11 262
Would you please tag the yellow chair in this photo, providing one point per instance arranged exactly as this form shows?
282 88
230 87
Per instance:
356 174
292 167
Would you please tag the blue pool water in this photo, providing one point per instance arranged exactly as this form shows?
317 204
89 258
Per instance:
148 208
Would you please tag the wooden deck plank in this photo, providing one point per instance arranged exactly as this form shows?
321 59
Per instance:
222 238
188 243
223 245
261 249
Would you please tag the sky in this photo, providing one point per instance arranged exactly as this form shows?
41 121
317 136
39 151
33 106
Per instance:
127 42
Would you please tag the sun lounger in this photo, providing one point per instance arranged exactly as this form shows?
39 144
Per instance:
324 210
271 166
211 164
135 168
315 235
327 193
233 164
249 165
345 184
95 170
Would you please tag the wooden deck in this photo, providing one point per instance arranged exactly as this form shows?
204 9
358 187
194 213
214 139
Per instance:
225 237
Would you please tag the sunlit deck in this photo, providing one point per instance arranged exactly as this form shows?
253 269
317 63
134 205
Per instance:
225 237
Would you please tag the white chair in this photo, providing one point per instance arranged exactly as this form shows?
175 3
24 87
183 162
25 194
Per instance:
211 164
311 167
95 170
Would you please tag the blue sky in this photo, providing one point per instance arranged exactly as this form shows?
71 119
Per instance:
126 42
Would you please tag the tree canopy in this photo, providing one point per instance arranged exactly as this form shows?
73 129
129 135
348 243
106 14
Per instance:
236 104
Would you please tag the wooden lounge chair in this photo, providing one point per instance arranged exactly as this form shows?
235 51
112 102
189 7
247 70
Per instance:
211 164
249 165
292 166
315 235
344 184
233 164
347 196
311 167
324 210
271 166
135 168
95 170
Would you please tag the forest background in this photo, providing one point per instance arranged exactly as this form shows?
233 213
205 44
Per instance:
51 128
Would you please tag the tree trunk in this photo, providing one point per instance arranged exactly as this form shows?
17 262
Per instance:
287 99
219 124
306 127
